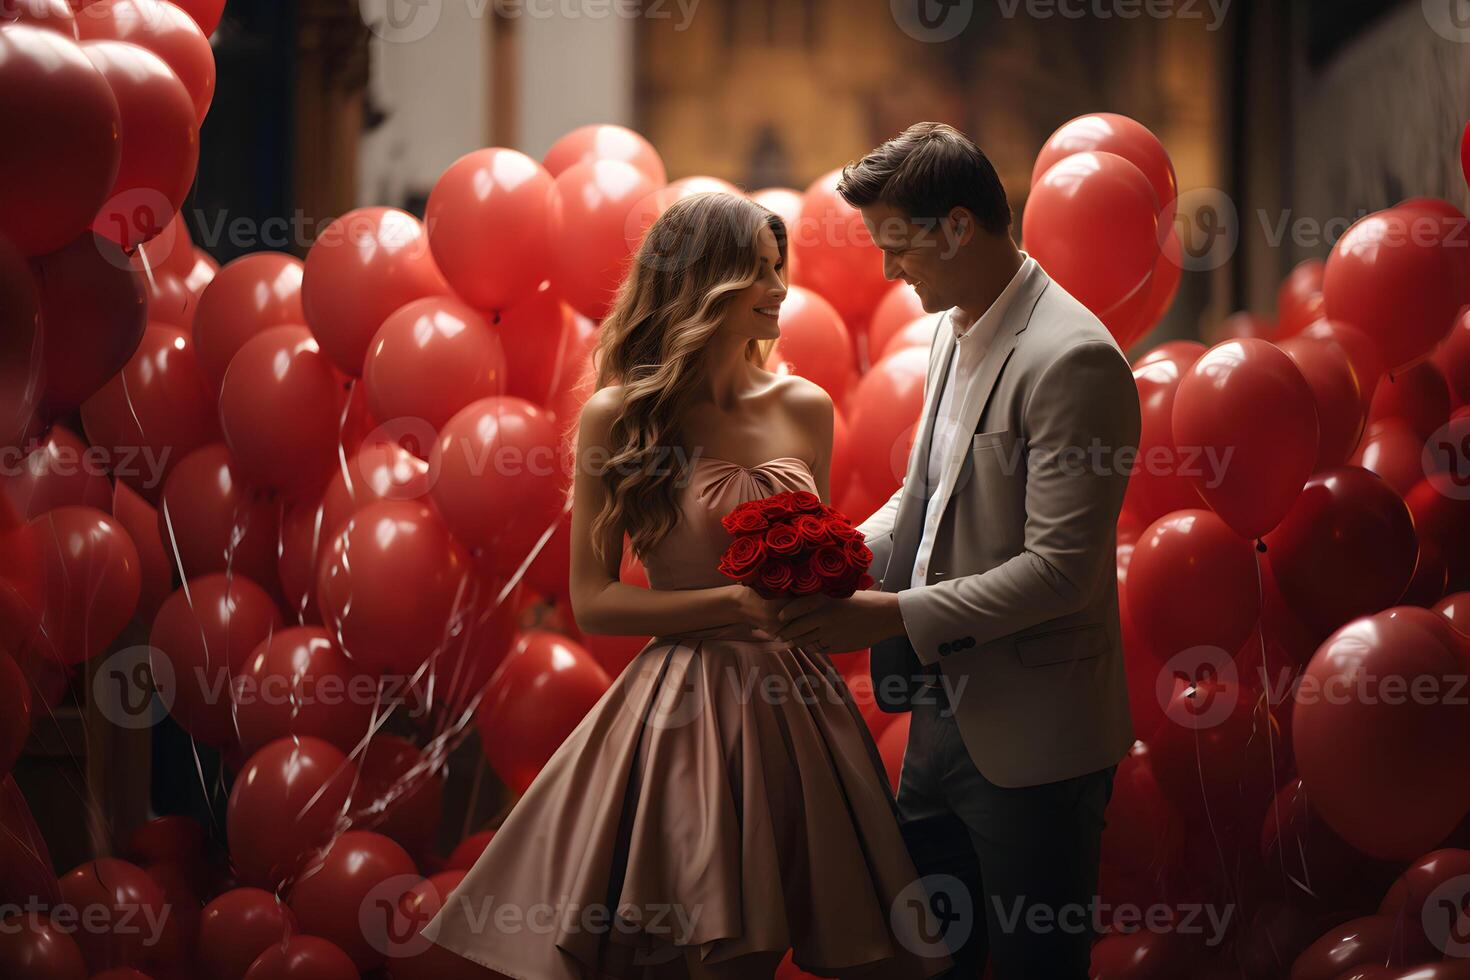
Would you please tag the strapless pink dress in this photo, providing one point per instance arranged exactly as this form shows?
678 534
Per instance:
721 804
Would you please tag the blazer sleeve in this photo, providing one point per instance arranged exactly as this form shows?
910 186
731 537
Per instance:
877 533
1081 427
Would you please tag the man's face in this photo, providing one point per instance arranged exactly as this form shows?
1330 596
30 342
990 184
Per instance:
920 251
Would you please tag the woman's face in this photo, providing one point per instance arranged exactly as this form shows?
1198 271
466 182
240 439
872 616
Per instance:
753 311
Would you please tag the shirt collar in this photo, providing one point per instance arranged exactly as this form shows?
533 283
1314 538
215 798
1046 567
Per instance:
985 328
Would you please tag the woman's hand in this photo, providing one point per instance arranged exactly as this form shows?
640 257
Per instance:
756 611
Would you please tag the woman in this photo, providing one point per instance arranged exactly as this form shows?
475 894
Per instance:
723 802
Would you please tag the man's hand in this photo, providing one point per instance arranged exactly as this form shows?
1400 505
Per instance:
839 625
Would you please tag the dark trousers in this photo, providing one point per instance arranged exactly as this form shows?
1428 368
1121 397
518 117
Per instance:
1011 873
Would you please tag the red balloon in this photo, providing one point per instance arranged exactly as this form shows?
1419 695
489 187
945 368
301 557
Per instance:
431 358
499 478
202 272
886 408
1144 835
1299 298
58 472
140 520
1092 223
1444 519
813 343
1345 549
891 747
550 573
236 927
118 898
382 626
468 851
591 236
1193 583
1361 942
349 895
1362 352
167 31
1144 955
1419 395
1246 398
1456 609
285 802
540 693
1163 286
153 413
380 471
296 682
364 265
1395 279
1393 450
20 349
1412 903
459 671
201 638
160 142
1328 371
897 311
211 521
91 579
206 13
416 958
1375 755
1120 135
835 253
302 958
53 181
920 333
53 15
489 226
280 406
34 947
604 142
1159 483
250 294
93 312
1453 358
171 250
537 337
399 793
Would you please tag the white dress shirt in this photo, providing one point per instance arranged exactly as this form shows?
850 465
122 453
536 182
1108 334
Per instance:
971 344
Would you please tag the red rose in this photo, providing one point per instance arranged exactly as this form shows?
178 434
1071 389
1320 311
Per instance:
779 505
859 555
846 586
806 502
743 557
830 562
743 520
805 580
774 578
811 529
782 539
840 530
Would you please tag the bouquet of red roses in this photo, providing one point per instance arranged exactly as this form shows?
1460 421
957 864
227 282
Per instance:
792 544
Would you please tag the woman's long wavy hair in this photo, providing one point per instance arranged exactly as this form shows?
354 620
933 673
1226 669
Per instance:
693 261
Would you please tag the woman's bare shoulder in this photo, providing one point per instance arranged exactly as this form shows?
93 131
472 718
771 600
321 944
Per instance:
805 399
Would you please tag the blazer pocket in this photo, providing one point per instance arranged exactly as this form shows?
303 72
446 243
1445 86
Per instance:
988 440
1059 646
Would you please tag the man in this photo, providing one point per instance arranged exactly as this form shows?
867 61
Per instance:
995 617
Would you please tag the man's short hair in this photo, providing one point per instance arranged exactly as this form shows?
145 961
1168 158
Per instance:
925 171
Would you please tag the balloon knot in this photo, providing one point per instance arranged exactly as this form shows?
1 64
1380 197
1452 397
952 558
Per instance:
1260 546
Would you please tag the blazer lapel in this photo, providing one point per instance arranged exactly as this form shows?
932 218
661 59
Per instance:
911 508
